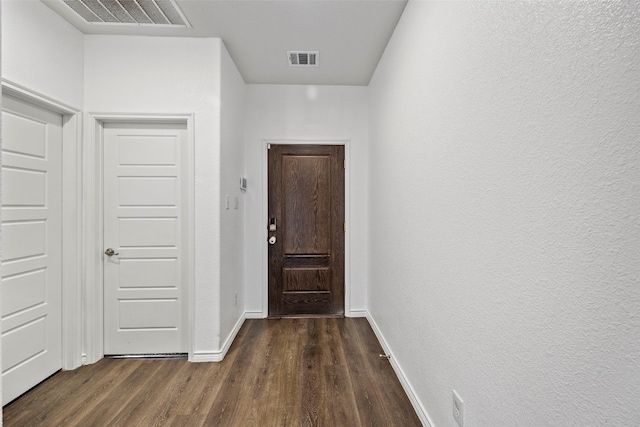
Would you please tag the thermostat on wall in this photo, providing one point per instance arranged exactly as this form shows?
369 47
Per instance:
243 184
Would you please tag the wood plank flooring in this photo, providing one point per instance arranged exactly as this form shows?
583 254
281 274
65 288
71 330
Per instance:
278 372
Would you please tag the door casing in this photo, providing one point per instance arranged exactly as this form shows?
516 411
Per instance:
94 224
347 215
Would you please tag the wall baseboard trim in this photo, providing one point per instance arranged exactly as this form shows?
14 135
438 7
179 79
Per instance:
254 315
406 385
206 356
357 313
218 356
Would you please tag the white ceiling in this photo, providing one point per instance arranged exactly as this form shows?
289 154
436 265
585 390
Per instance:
349 34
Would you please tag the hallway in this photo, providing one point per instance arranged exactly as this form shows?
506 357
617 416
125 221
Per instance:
287 372
491 226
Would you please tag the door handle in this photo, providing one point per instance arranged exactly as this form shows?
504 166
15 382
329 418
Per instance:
111 252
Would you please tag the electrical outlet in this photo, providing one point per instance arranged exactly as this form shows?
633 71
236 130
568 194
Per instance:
236 204
458 409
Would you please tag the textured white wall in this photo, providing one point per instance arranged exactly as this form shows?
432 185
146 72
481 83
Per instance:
42 51
127 74
504 223
231 220
305 113
1 37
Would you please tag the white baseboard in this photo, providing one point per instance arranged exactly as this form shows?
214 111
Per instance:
357 313
217 356
206 356
254 315
261 315
406 385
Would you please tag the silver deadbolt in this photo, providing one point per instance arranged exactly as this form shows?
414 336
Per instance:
110 252
272 240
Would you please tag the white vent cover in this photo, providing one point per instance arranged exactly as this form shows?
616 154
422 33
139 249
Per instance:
129 12
303 58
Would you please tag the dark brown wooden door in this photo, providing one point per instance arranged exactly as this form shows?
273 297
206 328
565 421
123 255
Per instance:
306 208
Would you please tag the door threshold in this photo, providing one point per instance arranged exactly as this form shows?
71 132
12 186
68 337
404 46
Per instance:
306 316
161 356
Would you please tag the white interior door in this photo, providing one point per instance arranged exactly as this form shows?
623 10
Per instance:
144 286
31 288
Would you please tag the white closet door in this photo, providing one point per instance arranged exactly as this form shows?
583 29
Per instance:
31 246
143 224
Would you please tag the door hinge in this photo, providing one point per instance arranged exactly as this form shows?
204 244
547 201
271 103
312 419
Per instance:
344 226
268 146
344 163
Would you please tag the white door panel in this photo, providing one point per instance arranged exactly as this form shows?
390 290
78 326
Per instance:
31 287
149 273
25 239
15 180
148 232
24 134
149 150
23 290
145 191
144 308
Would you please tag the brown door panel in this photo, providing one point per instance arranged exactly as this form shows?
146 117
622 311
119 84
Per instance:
306 201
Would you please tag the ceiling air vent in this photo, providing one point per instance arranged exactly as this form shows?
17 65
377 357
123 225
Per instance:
303 58
129 12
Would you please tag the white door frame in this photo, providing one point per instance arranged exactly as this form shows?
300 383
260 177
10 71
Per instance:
347 214
71 218
94 224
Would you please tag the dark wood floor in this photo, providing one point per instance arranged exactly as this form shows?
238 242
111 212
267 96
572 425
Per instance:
286 372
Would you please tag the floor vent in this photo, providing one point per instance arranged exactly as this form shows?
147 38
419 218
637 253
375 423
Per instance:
303 58
129 12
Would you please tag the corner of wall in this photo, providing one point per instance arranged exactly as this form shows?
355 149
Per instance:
232 203
402 377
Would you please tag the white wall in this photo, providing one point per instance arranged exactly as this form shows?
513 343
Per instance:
504 210
289 112
127 74
42 51
232 219
1 37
